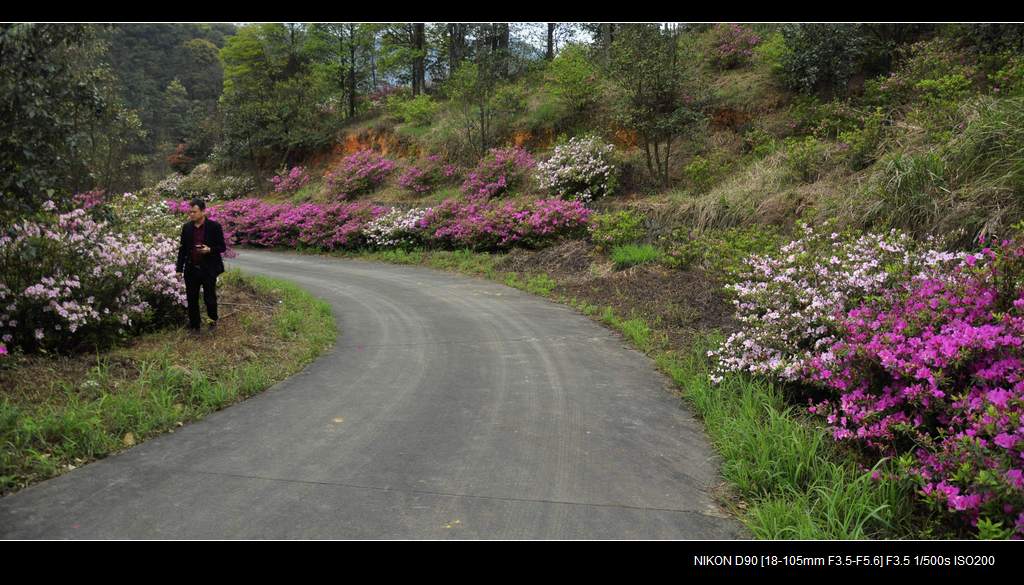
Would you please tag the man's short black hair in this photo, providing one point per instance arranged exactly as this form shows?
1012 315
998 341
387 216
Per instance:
197 202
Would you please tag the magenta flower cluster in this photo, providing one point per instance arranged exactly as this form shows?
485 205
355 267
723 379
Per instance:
935 366
69 280
428 176
358 173
89 199
331 226
733 45
501 172
919 354
291 181
452 224
484 225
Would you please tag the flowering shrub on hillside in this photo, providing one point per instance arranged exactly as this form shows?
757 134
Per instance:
428 176
491 226
293 180
920 354
68 281
936 366
581 170
502 171
787 303
358 173
328 226
733 45
396 229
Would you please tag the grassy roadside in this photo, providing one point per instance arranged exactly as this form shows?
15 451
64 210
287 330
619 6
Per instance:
55 416
788 479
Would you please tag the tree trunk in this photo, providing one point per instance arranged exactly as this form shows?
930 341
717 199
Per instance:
503 46
351 71
647 149
456 46
668 153
657 160
550 54
419 62
606 41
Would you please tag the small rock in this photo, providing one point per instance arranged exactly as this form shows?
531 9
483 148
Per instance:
129 440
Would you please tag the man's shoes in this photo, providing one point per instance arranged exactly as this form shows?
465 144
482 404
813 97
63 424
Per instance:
213 326
193 331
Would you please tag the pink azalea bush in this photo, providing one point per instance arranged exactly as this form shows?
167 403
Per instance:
452 224
911 353
502 171
787 302
89 199
358 173
327 226
490 226
428 176
936 367
291 181
733 45
67 280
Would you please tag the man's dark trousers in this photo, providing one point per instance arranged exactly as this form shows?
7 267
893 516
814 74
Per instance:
195 277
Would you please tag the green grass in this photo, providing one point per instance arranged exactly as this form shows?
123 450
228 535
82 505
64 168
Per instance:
784 467
40 441
628 255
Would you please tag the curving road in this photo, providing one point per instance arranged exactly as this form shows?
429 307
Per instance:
450 408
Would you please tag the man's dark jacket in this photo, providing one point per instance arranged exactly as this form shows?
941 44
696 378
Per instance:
214 238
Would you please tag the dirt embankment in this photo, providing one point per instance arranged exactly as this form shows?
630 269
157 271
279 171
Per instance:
679 303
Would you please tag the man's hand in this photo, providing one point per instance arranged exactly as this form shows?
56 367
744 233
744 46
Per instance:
205 249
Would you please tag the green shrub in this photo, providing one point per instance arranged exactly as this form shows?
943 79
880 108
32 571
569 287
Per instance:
719 251
804 157
773 52
418 111
572 77
616 228
702 173
628 255
861 144
822 55
760 143
1009 80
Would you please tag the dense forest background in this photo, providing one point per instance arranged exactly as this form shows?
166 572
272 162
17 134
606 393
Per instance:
118 107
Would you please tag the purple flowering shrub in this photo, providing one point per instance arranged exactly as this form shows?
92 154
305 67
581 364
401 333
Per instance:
89 199
787 302
732 45
934 367
452 224
358 173
328 226
483 225
428 176
906 352
68 281
502 171
291 181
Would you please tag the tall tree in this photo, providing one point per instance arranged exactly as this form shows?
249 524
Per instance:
55 92
659 97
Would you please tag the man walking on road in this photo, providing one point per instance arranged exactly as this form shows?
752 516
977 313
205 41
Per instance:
202 243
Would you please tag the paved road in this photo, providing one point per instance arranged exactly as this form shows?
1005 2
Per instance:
450 407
